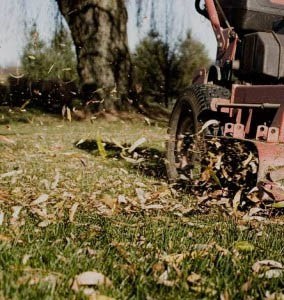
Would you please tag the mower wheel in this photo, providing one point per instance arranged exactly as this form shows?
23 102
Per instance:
184 150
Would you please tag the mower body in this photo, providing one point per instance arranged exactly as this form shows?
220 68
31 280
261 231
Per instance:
253 15
250 63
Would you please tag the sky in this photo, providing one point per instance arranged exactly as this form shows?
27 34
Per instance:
17 15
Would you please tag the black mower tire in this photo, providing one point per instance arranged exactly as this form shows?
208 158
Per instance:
194 101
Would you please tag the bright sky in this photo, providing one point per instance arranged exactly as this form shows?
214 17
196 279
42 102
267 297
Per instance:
14 14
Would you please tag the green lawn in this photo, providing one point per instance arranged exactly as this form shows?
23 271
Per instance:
67 210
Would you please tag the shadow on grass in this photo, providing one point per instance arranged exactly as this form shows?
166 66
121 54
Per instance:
152 161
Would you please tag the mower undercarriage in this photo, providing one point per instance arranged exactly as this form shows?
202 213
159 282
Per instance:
228 127
228 144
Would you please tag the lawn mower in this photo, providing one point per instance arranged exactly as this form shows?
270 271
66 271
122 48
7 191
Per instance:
239 99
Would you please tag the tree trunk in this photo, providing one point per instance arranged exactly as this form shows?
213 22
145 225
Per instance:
99 31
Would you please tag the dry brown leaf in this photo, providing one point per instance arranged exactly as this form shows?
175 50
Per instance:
56 180
90 278
5 140
99 297
72 211
175 258
121 199
237 200
15 214
40 200
109 201
1 217
273 296
25 258
163 279
266 264
193 278
4 238
274 273
153 206
141 196
44 223
11 174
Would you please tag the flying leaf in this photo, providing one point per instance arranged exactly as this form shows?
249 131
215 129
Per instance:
237 200
137 144
17 76
207 124
50 69
68 114
132 160
101 147
278 204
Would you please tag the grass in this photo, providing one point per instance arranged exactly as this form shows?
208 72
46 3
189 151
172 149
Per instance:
168 252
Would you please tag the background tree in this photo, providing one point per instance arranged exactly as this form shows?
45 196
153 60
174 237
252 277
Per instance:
192 57
163 72
61 57
56 61
34 57
156 68
99 31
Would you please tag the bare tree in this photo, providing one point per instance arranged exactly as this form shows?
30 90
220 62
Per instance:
99 31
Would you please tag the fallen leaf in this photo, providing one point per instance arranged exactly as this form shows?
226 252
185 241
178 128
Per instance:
153 206
121 199
4 238
44 223
41 199
273 296
99 297
141 196
1 217
163 279
237 200
15 214
90 278
193 278
259 265
25 258
132 160
274 273
4 139
11 174
56 180
175 259
72 211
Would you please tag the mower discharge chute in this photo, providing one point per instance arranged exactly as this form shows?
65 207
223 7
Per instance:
239 100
